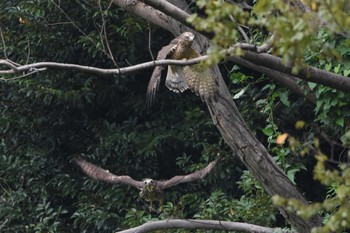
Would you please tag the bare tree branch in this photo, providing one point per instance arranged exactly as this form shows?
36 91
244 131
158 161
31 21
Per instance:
148 13
267 45
171 10
253 60
308 73
287 80
198 224
13 69
104 34
3 43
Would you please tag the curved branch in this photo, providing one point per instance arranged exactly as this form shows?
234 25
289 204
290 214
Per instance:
198 224
171 10
148 13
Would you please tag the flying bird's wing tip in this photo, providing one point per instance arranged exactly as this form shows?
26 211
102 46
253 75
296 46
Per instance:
153 85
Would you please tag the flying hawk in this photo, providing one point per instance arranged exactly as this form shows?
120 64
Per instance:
150 190
179 78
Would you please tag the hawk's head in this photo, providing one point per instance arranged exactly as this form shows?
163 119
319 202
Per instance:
186 38
147 181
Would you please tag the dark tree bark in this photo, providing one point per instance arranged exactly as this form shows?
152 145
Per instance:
233 128
254 155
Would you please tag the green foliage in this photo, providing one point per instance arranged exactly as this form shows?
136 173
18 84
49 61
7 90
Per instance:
336 206
293 30
48 116
222 19
51 115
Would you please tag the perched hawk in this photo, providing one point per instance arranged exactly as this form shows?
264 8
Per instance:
180 78
150 190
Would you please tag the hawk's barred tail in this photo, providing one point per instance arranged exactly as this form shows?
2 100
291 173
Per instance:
175 80
201 82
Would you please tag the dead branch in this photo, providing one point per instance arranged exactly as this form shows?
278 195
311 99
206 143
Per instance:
13 69
307 73
170 10
259 61
198 224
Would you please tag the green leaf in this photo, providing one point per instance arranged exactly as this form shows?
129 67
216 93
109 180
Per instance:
268 130
284 98
239 94
340 121
311 85
336 69
346 72
328 66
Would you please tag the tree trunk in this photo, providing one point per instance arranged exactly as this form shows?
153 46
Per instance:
254 155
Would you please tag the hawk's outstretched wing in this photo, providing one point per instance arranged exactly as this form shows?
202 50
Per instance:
154 82
197 175
98 173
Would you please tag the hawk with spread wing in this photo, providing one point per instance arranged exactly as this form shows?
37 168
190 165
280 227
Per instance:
179 78
150 190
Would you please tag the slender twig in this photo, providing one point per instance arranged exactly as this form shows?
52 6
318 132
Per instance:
3 43
3 224
28 54
240 29
24 75
81 31
105 36
267 45
149 40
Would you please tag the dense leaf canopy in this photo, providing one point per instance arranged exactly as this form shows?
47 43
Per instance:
47 117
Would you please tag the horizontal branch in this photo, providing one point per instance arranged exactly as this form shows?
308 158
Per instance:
260 60
286 80
307 73
198 224
94 70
